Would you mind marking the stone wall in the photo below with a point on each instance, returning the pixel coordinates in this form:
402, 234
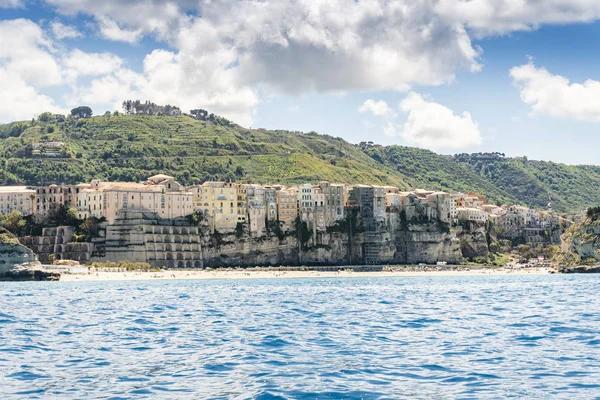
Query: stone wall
144, 237
57, 243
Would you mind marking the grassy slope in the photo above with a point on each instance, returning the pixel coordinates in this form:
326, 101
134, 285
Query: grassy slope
571, 187
134, 147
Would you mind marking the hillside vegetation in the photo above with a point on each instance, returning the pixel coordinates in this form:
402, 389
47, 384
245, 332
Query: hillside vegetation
132, 147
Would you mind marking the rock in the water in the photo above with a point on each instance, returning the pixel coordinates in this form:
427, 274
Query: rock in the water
580, 269
29, 274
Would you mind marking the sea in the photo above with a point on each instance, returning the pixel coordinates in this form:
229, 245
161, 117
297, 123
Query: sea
438, 337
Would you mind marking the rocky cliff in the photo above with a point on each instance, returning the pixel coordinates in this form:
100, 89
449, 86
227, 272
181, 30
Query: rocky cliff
415, 242
145, 237
13, 254
580, 244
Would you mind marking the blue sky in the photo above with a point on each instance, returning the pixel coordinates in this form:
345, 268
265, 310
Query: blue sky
449, 75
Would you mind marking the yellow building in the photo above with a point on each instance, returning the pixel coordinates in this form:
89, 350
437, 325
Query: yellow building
221, 204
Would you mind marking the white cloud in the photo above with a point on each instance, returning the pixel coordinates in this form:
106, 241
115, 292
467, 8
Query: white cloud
79, 63
554, 95
26, 51
299, 46
377, 108
129, 20
492, 17
61, 31
435, 126
10, 3
111, 30
165, 81
223, 54
381, 109
27, 64
19, 100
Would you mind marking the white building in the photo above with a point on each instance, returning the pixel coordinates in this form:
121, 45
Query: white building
17, 198
471, 214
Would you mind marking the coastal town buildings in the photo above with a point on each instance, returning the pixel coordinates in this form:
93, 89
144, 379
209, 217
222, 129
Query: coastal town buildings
230, 207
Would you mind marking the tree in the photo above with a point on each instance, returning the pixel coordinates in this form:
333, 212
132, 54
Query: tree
82, 112
12, 222
551, 251
45, 117
199, 114
66, 215
524, 250
89, 228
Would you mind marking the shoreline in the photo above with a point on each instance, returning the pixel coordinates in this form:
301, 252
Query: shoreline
250, 274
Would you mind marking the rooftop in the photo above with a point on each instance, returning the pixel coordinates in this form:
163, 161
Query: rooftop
16, 189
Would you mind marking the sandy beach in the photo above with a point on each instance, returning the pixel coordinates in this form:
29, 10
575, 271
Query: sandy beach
250, 274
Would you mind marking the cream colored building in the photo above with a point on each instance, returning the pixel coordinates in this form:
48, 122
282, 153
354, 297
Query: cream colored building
471, 214
196, 191
334, 201
17, 198
50, 198
306, 204
257, 211
160, 194
442, 203
271, 202
287, 207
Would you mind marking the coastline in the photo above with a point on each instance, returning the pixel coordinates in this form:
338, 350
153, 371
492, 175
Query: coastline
250, 274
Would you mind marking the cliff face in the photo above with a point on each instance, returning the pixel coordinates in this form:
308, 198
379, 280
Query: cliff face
580, 244
144, 237
422, 242
13, 254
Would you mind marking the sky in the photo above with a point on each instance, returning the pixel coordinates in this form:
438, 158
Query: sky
518, 77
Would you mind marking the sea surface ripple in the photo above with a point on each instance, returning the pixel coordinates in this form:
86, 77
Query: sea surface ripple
353, 338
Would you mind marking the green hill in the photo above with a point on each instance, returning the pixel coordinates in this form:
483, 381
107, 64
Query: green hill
534, 183
133, 147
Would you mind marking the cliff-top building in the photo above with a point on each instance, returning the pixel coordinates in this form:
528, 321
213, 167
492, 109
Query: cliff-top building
17, 198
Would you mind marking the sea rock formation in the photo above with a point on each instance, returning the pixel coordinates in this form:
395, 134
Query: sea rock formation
14, 255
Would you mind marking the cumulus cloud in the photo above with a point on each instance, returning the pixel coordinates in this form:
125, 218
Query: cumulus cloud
435, 126
27, 64
554, 95
19, 100
10, 3
61, 31
493, 17
223, 54
79, 63
128, 20
27, 52
381, 109
31, 62
165, 81
110, 29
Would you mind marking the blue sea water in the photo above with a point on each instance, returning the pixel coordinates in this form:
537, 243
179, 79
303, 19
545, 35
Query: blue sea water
348, 338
